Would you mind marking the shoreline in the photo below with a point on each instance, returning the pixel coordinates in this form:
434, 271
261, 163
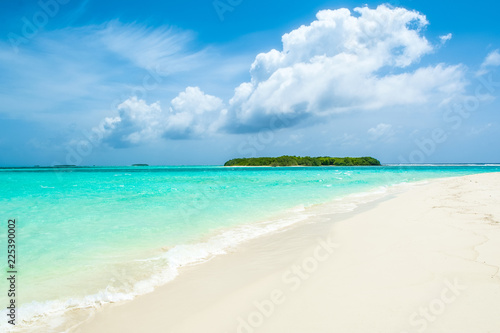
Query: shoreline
70, 312
401, 245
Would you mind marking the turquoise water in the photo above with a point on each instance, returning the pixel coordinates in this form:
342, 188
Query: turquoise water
88, 236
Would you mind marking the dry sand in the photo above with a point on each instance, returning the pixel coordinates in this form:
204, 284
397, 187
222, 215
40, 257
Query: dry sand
426, 260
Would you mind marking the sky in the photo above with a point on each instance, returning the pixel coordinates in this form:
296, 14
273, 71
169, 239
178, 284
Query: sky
198, 82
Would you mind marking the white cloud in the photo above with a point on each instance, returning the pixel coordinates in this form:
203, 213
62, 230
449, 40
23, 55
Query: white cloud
337, 63
191, 114
195, 101
163, 48
137, 122
381, 131
445, 38
74, 74
491, 60
342, 61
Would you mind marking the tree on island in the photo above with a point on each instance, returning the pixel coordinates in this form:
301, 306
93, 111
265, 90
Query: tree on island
303, 161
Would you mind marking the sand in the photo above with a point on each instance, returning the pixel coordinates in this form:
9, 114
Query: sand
424, 260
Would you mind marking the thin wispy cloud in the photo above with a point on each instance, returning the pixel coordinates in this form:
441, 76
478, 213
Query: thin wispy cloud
164, 48
98, 63
384, 132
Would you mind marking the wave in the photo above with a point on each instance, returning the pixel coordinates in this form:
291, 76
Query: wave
47, 316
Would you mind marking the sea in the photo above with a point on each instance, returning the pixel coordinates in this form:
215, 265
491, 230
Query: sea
88, 236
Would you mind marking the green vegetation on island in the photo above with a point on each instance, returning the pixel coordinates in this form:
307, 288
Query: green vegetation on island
303, 161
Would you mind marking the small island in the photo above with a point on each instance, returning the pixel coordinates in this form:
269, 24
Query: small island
303, 161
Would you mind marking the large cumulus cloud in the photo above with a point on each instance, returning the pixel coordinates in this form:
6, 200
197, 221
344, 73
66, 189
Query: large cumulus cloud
367, 59
344, 61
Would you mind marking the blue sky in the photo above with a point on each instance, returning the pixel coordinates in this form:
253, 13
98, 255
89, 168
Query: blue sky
199, 82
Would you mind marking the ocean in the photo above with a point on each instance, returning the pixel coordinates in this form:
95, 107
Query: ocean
87, 236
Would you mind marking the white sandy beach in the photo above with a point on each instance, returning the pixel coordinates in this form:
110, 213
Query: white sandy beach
425, 260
